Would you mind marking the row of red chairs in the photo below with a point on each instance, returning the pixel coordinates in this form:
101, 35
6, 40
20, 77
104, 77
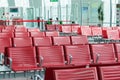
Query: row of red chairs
28, 34
83, 30
106, 32
17, 29
50, 56
98, 49
41, 41
23, 58
102, 31
58, 27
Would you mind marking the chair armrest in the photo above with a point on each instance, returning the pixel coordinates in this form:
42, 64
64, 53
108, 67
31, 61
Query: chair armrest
41, 61
97, 57
70, 59
10, 62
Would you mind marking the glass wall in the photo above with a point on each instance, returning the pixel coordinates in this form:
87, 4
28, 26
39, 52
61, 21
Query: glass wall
60, 9
3, 3
22, 3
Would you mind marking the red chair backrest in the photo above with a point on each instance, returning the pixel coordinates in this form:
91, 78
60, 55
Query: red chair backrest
109, 72
97, 31
79, 39
22, 42
7, 31
67, 29
85, 30
76, 29
6, 35
53, 33
22, 29
103, 53
61, 40
37, 34
78, 55
51, 56
51, 27
42, 41
76, 74
22, 58
22, 34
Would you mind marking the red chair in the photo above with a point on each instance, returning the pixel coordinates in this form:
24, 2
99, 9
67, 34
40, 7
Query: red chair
51, 27
96, 31
53, 33
76, 29
66, 29
78, 55
37, 34
103, 53
111, 34
51, 56
42, 41
85, 30
6, 35
58, 27
22, 42
22, 34
109, 73
61, 40
22, 59
76, 74
79, 40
